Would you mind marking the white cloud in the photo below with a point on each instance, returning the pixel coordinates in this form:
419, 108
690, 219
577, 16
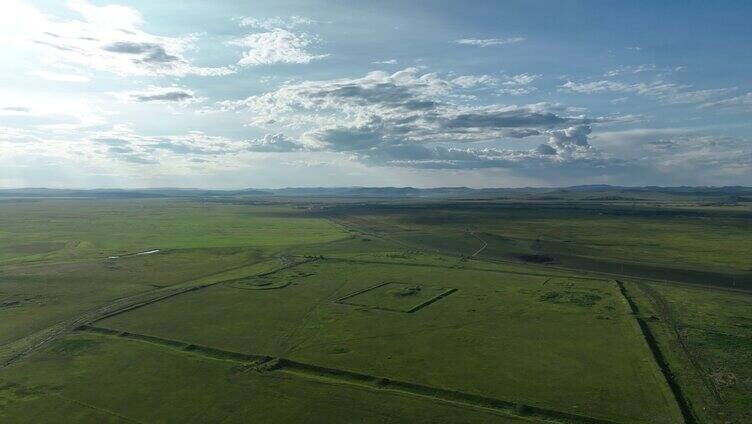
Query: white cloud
385, 62
743, 102
15, 135
603, 86
123, 144
634, 69
665, 91
514, 85
276, 143
105, 38
571, 141
520, 79
471, 81
487, 42
517, 91
276, 22
121, 150
684, 154
518, 85
404, 119
48, 112
696, 96
276, 46
61, 77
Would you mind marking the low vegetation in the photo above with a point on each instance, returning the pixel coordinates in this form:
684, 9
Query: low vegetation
292, 310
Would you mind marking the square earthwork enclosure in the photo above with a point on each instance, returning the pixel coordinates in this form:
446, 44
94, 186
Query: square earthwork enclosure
396, 297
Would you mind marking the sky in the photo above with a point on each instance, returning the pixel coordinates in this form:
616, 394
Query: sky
267, 94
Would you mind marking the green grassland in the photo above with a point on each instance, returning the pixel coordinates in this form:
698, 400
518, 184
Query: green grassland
560, 343
65, 229
96, 243
347, 311
708, 336
681, 244
91, 378
37, 295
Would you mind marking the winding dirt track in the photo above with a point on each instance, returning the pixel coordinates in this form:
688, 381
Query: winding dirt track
482, 248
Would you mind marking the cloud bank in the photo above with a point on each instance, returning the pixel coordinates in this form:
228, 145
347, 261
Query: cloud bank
411, 119
488, 42
104, 38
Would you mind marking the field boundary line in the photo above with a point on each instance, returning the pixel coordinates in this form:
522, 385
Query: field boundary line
264, 364
150, 301
199, 350
432, 300
98, 409
608, 276
427, 265
457, 254
199, 287
288, 338
658, 359
39, 339
664, 310
708, 330
361, 291
343, 300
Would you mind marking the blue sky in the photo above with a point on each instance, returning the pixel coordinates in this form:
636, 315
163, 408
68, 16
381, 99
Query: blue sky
238, 94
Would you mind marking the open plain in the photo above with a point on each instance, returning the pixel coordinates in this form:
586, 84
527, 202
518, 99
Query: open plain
324, 310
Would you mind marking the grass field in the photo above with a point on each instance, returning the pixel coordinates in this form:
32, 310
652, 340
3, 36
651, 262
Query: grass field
309, 311
475, 340
98, 243
66, 229
680, 244
708, 335
144, 382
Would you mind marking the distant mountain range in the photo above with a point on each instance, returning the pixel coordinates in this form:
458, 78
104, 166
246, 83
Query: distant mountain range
125, 193
582, 192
